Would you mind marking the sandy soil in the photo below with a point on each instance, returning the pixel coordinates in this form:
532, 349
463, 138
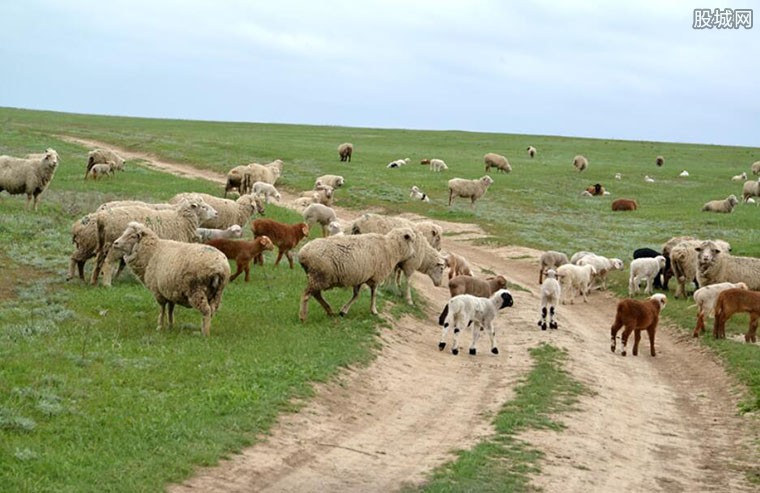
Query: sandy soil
667, 423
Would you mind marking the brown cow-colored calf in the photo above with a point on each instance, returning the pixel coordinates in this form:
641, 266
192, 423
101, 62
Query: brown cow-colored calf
636, 316
737, 300
242, 252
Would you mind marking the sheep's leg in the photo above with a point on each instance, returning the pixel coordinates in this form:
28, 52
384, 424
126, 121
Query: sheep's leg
171, 314
122, 264
237, 272
631, 286
450, 195
719, 326
552, 320
476, 328
700, 324
636, 340
408, 294
108, 267
626, 332
651, 333
455, 343
279, 256
542, 320
613, 332
750, 336
584, 292
199, 301
540, 276
356, 291
492, 336
98, 266
648, 289
290, 258
444, 333
73, 263
161, 315
247, 269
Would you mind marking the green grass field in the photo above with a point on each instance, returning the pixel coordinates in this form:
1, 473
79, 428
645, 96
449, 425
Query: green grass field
91, 394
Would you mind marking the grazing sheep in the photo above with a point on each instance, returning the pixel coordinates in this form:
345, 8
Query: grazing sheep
464, 310
580, 163
180, 224
741, 177
750, 189
755, 168
242, 178
426, 259
398, 163
185, 274
345, 151
596, 190
438, 165
285, 236
476, 287
493, 160
648, 179
334, 229
602, 265
637, 316
579, 255
551, 292
618, 176
624, 205
101, 169
652, 253
229, 212
335, 181
417, 194
457, 265
206, 234
29, 175
431, 231
659, 161
550, 260
266, 190
724, 206
102, 156
705, 299
575, 278
644, 269
715, 264
531, 151
350, 261
736, 300
242, 251
469, 189
683, 174
319, 214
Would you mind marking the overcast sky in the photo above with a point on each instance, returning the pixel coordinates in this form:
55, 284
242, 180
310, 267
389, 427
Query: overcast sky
624, 70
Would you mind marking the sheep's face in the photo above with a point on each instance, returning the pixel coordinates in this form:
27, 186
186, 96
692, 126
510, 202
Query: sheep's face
501, 282
550, 274
436, 273
732, 200
265, 242
506, 298
235, 231
660, 298
661, 261
707, 253
204, 211
487, 180
51, 158
129, 239
617, 264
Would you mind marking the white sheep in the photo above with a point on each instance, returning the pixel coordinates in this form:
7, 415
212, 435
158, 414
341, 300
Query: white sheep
431, 231
750, 189
335, 181
724, 206
551, 293
755, 168
29, 175
683, 174
398, 163
469, 189
579, 255
228, 212
266, 190
345, 151
705, 298
531, 151
243, 177
438, 165
715, 264
683, 260
648, 179
335, 229
417, 194
493, 160
618, 176
319, 214
101, 169
351, 261
580, 163
185, 274
602, 266
127, 203
101, 156
740, 177
750, 200
464, 310
550, 260
644, 269
322, 196
575, 279
205, 234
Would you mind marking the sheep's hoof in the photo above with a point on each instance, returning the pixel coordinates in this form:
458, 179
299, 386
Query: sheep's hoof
543, 326
455, 351
623, 353
456, 330
495, 350
473, 351
441, 345
553, 325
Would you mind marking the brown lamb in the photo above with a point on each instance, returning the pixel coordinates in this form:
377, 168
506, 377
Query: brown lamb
736, 300
242, 252
476, 287
285, 236
624, 205
637, 316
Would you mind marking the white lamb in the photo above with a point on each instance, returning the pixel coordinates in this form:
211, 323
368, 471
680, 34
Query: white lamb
266, 190
438, 165
644, 269
683, 174
648, 179
464, 310
740, 177
603, 266
574, 279
398, 163
417, 194
551, 292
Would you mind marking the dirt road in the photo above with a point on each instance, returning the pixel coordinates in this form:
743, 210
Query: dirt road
667, 423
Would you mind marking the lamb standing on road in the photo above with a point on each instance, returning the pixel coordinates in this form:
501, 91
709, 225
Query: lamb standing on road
457, 265
551, 292
550, 260
637, 316
29, 175
464, 310
476, 287
266, 190
574, 279
644, 269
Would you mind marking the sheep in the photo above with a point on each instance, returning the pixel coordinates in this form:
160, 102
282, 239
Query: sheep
476, 287
185, 274
345, 151
266, 190
550, 260
755, 168
242, 251
373, 223
551, 292
457, 265
464, 310
648, 179
426, 259
659, 161
101, 156
319, 214
128, 203
229, 212
575, 278
350, 261
596, 190
101, 169
741, 177
715, 264
580, 163
723, 206
667, 247
732, 301
618, 176
29, 175
334, 229
750, 201
644, 269
493, 160
242, 178
472, 189
285, 236
705, 299
180, 224
602, 265
652, 253
335, 181
750, 189
637, 316
579, 255
398, 163
322, 196
684, 260
683, 174
206, 234
438, 165
531, 151
431, 231
417, 194
624, 205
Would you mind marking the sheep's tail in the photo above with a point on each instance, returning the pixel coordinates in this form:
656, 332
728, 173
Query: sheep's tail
443, 315
215, 284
